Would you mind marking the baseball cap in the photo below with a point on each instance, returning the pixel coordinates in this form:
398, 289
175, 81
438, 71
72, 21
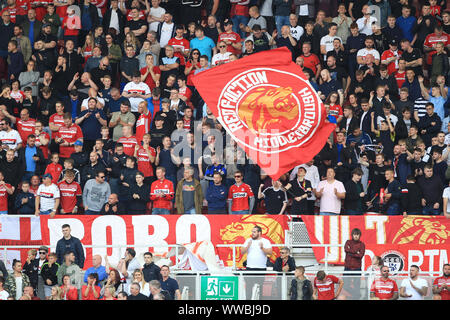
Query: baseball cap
47, 175
78, 143
227, 21
393, 42
46, 25
43, 248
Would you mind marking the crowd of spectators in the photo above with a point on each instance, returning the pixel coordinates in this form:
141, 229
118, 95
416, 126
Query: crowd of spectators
97, 98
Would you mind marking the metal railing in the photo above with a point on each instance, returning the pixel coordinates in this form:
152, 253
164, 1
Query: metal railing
178, 246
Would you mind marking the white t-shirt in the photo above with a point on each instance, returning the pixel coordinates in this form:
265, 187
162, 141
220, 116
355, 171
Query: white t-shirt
48, 196
85, 103
114, 22
256, 258
366, 28
220, 57
11, 138
158, 13
166, 34
329, 202
327, 41
19, 289
364, 52
297, 32
141, 88
418, 283
4, 295
446, 194
393, 118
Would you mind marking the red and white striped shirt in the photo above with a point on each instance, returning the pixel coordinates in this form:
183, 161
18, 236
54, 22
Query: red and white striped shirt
142, 126
128, 144
25, 127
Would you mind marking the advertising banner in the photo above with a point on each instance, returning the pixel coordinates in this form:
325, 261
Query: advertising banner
400, 241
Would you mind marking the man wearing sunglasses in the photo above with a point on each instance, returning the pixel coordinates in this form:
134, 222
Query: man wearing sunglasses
96, 193
223, 56
42, 258
240, 196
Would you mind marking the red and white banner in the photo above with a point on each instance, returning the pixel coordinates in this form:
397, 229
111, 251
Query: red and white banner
146, 233
266, 104
400, 241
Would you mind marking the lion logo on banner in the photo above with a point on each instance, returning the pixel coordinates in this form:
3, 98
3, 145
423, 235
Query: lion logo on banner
421, 230
238, 232
267, 108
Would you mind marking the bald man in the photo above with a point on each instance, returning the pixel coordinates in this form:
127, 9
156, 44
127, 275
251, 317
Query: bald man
96, 268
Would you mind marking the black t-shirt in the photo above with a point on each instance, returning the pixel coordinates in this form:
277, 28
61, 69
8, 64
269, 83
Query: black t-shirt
357, 8
136, 25
338, 74
411, 56
274, 200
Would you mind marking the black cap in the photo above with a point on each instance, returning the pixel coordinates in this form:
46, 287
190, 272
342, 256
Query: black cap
393, 42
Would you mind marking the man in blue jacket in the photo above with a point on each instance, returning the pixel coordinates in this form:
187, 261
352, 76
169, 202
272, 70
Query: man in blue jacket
216, 196
70, 243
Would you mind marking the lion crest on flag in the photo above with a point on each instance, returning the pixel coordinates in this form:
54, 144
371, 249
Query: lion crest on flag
266, 109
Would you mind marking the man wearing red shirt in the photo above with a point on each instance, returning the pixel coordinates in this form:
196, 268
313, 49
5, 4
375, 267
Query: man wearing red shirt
70, 193
180, 44
150, 74
184, 92
161, 193
5, 191
145, 156
384, 288
40, 6
400, 75
67, 135
56, 120
390, 57
25, 125
143, 122
240, 196
128, 141
430, 42
14, 10
310, 60
231, 38
441, 285
324, 286
91, 291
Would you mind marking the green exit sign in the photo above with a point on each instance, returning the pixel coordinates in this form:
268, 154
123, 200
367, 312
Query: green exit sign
219, 288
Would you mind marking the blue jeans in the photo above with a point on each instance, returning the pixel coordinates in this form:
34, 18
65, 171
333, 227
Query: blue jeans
240, 212
238, 20
281, 21
190, 211
46, 212
92, 212
160, 211
4, 212
428, 210
328, 214
393, 209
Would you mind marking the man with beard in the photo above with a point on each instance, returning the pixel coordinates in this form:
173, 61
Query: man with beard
441, 285
257, 249
414, 288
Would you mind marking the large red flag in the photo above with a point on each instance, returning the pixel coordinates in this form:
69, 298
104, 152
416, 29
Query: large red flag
266, 104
